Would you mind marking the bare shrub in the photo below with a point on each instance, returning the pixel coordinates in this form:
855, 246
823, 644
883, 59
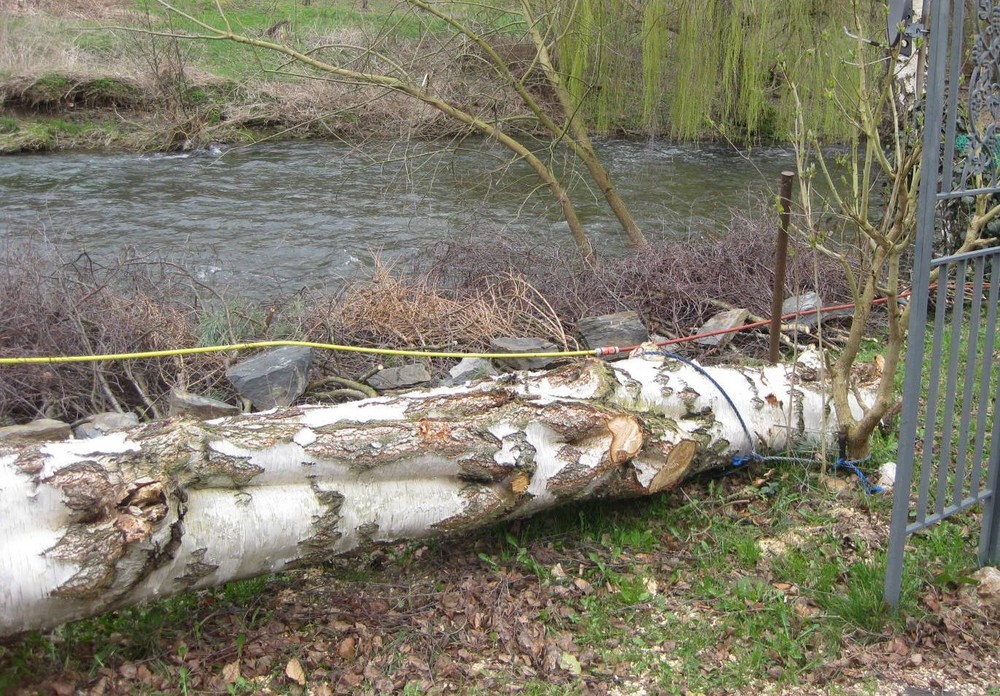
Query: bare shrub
53, 306
467, 293
674, 285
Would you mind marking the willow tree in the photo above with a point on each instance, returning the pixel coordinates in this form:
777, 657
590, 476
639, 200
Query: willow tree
688, 66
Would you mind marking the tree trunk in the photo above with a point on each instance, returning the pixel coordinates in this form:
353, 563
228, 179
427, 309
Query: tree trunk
93, 525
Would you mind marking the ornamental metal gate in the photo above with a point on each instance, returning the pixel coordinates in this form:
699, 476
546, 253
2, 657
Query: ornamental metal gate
949, 442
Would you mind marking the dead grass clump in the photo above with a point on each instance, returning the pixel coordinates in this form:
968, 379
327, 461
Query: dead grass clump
57, 307
394, 309
56, 91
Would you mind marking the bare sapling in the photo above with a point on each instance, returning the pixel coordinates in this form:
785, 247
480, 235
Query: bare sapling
870, 193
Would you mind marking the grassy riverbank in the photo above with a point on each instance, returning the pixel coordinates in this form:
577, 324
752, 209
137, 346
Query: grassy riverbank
90, 75
112, 74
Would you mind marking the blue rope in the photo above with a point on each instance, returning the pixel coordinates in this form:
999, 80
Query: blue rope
852, 466
741, 460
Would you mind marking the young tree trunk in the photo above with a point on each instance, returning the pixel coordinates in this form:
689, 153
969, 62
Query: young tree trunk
93, 525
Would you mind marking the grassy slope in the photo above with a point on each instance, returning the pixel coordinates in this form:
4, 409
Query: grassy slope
68, 78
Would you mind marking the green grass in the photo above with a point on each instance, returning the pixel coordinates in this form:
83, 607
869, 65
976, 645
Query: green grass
307, 27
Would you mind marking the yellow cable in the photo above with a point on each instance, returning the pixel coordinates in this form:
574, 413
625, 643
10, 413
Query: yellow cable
269, 344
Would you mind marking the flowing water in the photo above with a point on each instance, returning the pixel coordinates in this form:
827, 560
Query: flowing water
310, 214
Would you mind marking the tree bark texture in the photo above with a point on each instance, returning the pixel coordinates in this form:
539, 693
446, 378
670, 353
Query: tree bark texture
92, 525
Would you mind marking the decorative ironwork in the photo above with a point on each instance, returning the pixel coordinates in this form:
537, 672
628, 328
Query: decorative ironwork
981, 154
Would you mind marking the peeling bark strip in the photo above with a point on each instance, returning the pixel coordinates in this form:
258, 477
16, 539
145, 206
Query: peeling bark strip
93, 525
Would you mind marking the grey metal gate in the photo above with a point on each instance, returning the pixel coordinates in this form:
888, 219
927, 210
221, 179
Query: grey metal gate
949, 443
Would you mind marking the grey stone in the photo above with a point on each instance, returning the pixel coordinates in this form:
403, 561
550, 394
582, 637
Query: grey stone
523, 345
469, 370
183, 403
729, 319
400, 377
104, 423
273, 379
40, 430
622, 329
987, 592
806, 302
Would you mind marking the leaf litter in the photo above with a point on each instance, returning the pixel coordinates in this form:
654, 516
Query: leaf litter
544, 604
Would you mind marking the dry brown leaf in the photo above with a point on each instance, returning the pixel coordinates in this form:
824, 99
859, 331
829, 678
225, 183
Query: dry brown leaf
63, 689
231, 672
348, 648
294, 671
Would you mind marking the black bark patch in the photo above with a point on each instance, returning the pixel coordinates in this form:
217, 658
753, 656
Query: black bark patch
195, 570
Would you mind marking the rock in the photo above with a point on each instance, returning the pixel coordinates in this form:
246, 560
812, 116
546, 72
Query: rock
887, 475
524, 345
36, 431
803, 303
988, 589
469, 370
622, 329
104, 423
400, 377
273, 379
729, 319
183, 403
806, 302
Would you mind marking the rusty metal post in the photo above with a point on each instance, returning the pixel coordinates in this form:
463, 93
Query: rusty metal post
780, 257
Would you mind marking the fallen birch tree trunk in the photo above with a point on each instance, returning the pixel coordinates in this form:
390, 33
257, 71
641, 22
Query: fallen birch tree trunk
92, 525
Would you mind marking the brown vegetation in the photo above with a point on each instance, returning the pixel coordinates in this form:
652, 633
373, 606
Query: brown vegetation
674, 285
467, 294
54, 306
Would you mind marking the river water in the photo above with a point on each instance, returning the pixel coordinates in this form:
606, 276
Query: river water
311, 213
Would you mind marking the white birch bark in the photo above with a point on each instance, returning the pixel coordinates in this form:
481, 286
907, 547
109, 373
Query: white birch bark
92, 525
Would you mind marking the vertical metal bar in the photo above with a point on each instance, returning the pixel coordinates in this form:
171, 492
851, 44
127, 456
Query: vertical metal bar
948, 424
933, 387
986, 379
780, 258
989, 538
917, 326
953, 79
969, 381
